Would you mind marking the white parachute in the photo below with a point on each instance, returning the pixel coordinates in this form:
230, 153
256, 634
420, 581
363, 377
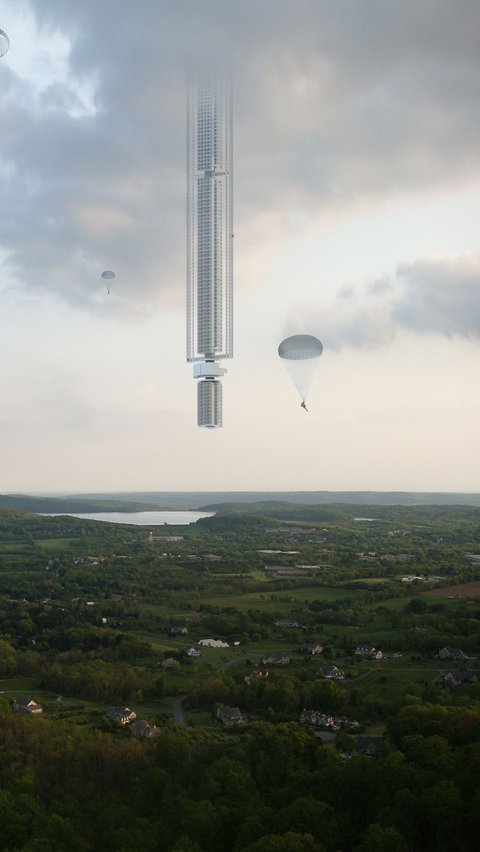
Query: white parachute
4, 43
108, 276
300, 354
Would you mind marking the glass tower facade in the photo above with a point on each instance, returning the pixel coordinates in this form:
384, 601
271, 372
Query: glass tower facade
209, 221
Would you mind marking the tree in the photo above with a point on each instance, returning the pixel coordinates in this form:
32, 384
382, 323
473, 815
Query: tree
312, 816
377, 838
290, 842
8, 659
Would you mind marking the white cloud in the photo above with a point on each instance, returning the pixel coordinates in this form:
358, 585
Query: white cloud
427, 296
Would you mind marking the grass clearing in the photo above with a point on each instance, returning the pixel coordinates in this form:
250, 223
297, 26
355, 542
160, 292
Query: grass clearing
392, 685
17, 684
401, 602
278, 601
161, 643
164, 610
16, 547
462, 590
56, 543
199, 719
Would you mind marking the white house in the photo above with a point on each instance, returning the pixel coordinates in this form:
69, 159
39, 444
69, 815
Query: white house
122, 715
213, 643
194, 652
26, 705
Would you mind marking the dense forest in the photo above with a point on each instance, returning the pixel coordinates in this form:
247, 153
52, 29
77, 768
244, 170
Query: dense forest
302, 678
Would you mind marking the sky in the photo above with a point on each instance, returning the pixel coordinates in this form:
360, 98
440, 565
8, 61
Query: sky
357, 211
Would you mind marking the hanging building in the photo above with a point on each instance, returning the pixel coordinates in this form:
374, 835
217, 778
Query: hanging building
209, 241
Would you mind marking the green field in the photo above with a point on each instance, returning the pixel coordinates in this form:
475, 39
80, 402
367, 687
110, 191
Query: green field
165, 610
400, 603
16, 547
392, 685
279, 600
56, 543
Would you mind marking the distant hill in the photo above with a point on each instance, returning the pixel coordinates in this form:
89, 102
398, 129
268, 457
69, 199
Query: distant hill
67, 505
337, 513
168, 500
272, 503
271, 510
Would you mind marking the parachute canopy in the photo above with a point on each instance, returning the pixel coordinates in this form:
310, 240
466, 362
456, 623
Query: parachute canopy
108, 276
300, 354
4, 43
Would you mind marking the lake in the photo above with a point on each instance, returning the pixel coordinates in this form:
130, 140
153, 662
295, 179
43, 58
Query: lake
139, 519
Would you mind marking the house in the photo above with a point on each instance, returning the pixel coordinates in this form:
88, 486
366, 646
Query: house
276, 661
312, 649
455, 678
27, 705
285, 571
143, 731
230, 717
152, 537
366, 650
257, 674
194, 652
450, 653
315, 717
169, 664
414, 578
285, 622
325, 720
121, 715
178, 631
332, 673
213, 643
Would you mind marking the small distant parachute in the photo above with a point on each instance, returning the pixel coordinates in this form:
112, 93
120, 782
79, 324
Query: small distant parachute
108, 276
300, 354
4, 43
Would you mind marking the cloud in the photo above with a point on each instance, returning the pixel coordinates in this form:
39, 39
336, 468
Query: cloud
429, 296
334, 103
440, 296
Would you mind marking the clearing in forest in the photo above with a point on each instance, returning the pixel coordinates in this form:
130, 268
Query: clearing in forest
463, 590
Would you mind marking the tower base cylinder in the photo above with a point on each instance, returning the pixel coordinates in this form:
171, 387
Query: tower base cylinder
209, 404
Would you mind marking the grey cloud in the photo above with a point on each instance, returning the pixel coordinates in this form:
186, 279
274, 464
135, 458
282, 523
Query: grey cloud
441, 297
429, 296
380, 285
334, 101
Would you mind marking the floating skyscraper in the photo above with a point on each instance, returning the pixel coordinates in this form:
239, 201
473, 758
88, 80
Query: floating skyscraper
209, 240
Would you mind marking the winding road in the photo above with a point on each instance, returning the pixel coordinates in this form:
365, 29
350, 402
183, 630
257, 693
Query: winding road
178, 710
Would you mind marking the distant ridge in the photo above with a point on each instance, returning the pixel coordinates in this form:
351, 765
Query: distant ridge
66, 505
199, 499
137, 501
